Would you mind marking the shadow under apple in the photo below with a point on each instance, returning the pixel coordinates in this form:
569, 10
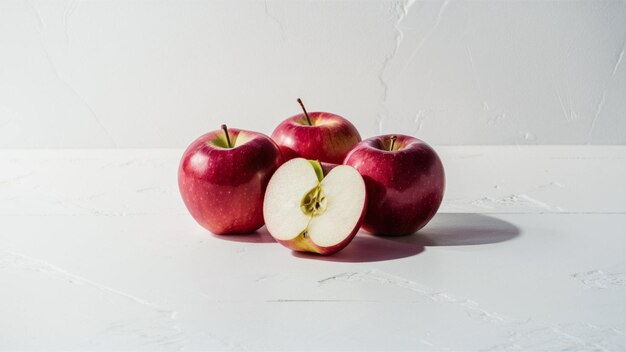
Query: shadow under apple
462, 230
259, 236
443, 230
367, 248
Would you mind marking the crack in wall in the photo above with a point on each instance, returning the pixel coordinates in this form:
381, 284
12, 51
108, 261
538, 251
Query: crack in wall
402, 10
69, 10
476, 78
619, 60
429, 33
402, 13
418, 121
275, 20
597, 115
66, 83
40, 21
567, 117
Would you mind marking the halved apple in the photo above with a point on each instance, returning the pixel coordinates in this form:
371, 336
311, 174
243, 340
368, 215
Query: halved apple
308, 211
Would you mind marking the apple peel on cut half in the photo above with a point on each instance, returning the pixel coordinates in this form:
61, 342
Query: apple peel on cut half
308, 211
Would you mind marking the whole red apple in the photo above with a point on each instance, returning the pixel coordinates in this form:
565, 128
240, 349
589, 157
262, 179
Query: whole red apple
405, 183
318, 136
222, 178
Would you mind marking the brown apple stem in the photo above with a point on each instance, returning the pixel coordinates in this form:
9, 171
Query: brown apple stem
308, 119
393, 141
227, 136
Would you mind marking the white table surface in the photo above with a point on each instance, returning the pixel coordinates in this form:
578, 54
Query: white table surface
528, 252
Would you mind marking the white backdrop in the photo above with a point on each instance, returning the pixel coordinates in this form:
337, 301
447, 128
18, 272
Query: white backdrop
157, 74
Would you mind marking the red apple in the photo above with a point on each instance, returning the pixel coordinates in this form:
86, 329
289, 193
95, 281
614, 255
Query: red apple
308, 210
222, 178
405, 183
316, 136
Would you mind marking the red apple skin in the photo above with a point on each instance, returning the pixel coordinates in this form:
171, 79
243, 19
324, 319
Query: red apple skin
328, 139
326, 167
223, 188
300, 244
404, 187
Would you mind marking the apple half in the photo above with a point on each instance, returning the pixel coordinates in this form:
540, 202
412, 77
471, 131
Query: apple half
308, 211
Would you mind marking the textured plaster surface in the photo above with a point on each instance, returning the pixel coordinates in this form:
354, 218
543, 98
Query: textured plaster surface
98, 253
113, 74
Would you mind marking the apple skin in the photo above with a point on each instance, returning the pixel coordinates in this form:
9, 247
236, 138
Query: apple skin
404, 187
326, 167
328, 139
223, 188
300, 244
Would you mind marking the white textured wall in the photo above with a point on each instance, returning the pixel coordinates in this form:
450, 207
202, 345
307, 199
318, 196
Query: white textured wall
158, 74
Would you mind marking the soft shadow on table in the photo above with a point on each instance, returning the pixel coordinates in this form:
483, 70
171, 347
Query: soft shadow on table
368, 248
259, 236
443, 230
462, 230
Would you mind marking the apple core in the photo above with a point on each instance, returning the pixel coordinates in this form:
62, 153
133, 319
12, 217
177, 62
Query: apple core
314, 202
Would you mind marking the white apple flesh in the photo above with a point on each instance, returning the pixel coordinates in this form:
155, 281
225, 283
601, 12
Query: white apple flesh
307, 211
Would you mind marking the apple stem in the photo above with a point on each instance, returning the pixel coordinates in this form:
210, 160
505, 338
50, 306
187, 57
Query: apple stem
393, 141
226, 134
308, 119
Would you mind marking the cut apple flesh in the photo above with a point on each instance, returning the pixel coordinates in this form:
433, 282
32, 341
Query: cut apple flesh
302, 205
